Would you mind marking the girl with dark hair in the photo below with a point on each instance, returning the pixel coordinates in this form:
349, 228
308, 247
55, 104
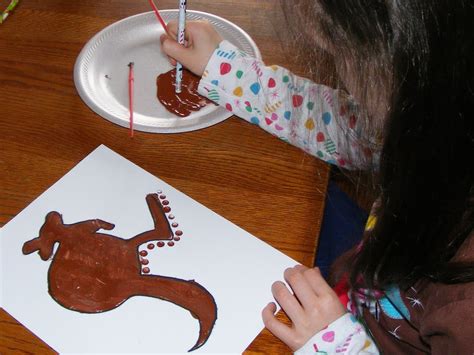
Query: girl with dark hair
404, 110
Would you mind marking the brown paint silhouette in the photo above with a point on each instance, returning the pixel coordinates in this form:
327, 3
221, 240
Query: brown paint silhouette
187, 101
93, 272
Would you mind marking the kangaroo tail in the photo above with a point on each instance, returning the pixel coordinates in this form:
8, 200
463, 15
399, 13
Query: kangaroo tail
187, 294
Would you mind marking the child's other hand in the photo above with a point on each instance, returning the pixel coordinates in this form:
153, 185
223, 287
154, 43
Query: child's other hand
201, 41
313, 306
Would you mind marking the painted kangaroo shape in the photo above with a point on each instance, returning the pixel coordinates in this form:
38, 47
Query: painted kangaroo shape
93, 272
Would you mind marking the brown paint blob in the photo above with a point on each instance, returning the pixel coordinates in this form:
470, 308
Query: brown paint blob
170, 244
94, 272
150, 246
143, 253
146, 270
187, 101
167, 209
174, 224
178, 232
160, 244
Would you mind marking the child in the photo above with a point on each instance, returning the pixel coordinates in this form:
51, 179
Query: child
408, 68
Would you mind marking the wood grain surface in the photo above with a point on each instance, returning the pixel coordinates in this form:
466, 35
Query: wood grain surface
267, 187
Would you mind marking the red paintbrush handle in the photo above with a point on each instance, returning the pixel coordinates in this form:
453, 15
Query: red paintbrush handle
131, 81
158, 16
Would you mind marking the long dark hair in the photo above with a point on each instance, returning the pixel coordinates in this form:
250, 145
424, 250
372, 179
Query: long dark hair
422, 50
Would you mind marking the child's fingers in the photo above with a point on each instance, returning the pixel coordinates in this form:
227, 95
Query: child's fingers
300, 268
287, 301
176, 51
278, 329
163, 38
317, 282
301, 287
172, 27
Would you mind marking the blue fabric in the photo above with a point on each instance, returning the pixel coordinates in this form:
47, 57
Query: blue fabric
342, 227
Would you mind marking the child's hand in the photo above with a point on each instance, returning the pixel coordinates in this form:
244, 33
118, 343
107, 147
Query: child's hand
201, 41
313, 306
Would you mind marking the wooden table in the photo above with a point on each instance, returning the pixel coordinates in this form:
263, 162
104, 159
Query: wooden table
269, 188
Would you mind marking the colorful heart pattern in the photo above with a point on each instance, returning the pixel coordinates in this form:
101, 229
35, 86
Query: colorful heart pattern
309, 124
255, 88
326, 118
238, 91
225, 68
297, 100
280, 102
248, 107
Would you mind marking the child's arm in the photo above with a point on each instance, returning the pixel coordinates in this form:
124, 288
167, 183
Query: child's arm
320, 323
322, 121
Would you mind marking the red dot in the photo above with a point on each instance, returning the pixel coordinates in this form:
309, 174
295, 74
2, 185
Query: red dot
144, 261
178, 232
146, 270
150, 246
160, 244
170, 244
174, 225
165, 202
167, 209
228, 107
143, 253
162, 197
177, 239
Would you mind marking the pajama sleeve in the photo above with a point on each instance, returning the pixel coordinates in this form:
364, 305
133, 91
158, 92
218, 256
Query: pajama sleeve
322, 121
343, 336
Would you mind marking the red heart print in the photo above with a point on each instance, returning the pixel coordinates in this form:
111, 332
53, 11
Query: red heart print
297, 100
225, 68
271, 83
269, 121
320, 137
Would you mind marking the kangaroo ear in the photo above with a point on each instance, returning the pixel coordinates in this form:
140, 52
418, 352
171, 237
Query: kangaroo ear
54, 218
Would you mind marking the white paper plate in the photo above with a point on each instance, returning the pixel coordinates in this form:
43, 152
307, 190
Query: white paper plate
101, 72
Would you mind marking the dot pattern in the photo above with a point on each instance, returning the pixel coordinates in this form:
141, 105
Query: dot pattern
150, 247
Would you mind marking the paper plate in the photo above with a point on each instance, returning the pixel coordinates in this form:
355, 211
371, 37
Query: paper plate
101, 72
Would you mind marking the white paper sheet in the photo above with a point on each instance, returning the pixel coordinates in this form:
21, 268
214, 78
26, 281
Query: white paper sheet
234, 266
